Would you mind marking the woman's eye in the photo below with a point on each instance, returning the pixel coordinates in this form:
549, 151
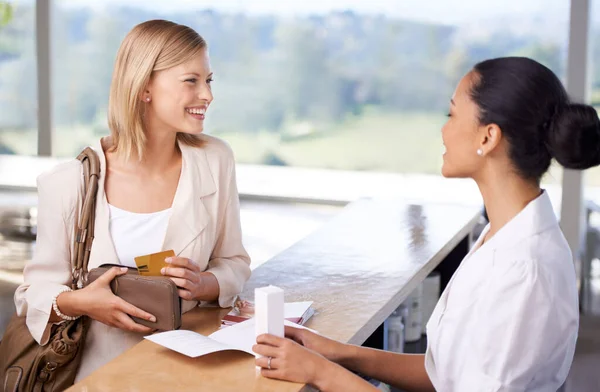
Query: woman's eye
191, 80
209, 80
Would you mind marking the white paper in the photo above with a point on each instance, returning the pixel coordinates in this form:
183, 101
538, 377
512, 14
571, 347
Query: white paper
290, 324
240, 337
290, 309
188, 343
296, 309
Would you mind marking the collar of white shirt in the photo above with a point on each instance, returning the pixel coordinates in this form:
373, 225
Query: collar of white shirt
535, 218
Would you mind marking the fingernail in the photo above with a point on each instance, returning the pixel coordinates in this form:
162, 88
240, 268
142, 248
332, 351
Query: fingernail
168, 260
163, 270
153, 319
123, 269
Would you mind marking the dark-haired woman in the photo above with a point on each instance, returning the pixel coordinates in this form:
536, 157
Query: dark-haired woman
508, 319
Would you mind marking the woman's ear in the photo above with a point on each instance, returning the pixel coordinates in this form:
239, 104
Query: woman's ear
146, 96
491, 136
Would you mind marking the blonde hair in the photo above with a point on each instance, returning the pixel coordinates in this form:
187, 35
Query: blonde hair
151, 46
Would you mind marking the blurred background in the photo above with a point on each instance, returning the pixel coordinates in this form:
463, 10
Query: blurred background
322, 101
297, 83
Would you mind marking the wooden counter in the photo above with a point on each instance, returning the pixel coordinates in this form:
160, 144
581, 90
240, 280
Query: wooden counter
357, 269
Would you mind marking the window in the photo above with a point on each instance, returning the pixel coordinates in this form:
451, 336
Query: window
349, 84
18, 78
592, 176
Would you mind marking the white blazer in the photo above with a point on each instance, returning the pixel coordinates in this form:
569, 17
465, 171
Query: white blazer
204, 226
508, 320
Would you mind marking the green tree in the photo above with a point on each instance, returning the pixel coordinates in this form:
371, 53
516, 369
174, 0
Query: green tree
18, 86
6, 13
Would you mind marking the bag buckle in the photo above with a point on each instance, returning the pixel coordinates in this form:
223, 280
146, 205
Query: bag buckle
47, 371
76, 275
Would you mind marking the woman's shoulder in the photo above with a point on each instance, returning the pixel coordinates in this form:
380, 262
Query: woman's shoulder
543, 259
217, 151
61, 175
546, 249
216, 146
59, 187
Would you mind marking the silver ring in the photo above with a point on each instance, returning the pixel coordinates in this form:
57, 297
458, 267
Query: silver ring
269, 363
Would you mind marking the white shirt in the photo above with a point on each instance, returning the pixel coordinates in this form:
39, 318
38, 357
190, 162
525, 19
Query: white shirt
136, 234
509, 317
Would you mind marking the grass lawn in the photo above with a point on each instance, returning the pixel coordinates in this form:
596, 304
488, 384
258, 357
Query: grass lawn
408, 142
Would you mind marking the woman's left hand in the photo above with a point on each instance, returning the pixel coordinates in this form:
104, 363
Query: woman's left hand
289, 360
187, 276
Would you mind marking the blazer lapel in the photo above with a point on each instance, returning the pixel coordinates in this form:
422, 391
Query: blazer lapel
188, 218
189, 215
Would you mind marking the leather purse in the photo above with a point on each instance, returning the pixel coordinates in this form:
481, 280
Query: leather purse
156, 295
24, 364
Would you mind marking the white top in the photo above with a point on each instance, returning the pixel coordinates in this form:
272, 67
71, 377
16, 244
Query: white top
509, 317
136, 234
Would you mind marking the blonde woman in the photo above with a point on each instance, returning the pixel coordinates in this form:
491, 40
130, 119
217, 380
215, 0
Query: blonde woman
164, 185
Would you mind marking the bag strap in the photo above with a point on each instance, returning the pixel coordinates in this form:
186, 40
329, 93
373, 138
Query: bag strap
84, 231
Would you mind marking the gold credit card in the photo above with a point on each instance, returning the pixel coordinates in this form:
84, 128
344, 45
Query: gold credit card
150, 265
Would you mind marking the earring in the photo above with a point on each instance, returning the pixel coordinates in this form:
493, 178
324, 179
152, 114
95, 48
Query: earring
479, 152
147, 99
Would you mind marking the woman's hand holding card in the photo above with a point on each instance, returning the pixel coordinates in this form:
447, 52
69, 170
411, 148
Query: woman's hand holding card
187, 276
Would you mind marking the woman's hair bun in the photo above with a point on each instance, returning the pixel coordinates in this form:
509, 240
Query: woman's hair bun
574, 136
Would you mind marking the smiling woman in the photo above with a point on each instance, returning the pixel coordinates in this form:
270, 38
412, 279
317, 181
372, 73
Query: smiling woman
173, 79
163, 186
